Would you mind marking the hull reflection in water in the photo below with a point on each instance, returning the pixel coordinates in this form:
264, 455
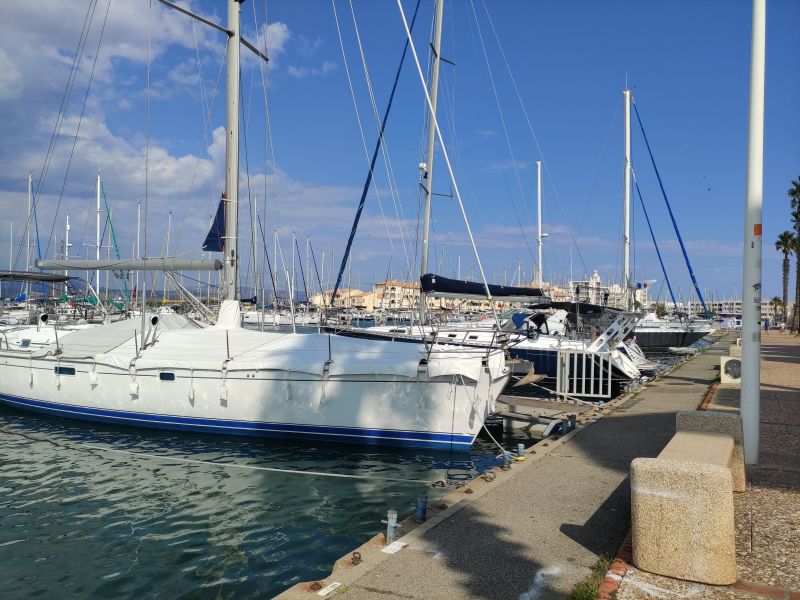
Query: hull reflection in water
80, 522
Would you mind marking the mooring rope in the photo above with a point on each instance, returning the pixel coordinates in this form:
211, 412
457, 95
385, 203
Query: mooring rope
165, 458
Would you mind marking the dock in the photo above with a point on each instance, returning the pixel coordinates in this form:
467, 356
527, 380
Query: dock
536, 530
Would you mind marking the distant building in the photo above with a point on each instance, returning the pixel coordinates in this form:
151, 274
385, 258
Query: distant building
346, 298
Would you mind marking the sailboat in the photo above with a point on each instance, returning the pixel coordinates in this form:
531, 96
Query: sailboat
532, 347
653, 331
167, 371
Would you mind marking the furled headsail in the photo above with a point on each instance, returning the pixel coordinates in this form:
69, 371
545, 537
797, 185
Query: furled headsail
215, 240
443, 287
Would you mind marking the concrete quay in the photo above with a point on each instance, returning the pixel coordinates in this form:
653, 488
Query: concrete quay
536, 530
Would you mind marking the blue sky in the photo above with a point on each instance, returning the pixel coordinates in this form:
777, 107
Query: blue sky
686, 62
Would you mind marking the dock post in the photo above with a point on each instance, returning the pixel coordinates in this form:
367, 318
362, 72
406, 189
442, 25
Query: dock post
520, 449
422, 508
391, 526
506, 459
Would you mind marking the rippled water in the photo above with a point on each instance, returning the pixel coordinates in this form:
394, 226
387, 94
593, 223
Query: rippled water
81, 521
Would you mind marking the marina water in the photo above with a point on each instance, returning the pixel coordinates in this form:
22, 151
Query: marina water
85, 517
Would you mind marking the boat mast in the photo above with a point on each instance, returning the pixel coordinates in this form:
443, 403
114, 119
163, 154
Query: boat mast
137, 254
626, 292
428, 170
540, 280
97, 234
230, 262
28, 235
66, 242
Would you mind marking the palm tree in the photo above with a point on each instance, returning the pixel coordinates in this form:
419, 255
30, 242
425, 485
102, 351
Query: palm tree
785, 245
795, 324
794, 202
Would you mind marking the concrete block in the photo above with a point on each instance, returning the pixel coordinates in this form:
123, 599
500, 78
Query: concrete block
682, 520
714, 421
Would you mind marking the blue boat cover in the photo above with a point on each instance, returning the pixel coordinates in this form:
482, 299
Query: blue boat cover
438, 285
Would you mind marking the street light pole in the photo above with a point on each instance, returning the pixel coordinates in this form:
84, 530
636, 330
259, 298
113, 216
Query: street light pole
751, 280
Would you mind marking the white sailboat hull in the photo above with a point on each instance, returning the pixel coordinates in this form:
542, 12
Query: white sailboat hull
275, 385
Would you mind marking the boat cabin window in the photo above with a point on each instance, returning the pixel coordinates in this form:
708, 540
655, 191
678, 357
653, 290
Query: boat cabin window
451, 335
166, 376
26, 343
64, 370
473, 337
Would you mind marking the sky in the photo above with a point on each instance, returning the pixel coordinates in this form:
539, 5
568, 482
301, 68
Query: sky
525, 81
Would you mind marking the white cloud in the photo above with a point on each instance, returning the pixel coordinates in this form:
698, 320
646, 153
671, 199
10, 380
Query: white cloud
10, 79
508, 165
302, 72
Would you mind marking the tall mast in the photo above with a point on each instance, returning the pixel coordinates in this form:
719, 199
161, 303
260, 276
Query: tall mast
540, 280
626, 292
28, 234
169, 234
138, 252
97, 235
230, 266
428, 173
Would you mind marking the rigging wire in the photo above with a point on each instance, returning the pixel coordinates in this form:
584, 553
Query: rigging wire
384, 146
78, 128
514, 163
269, 148
87, 23
533, 133
447, 162
379, 144
671, 215
655, 243
358, 120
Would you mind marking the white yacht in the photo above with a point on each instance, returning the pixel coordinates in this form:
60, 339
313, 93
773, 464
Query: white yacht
167, 371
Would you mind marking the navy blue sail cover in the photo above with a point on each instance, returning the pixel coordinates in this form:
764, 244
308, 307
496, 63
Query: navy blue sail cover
437, 285
214, 240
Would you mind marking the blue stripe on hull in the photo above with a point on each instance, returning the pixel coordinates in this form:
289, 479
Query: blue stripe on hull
351, 435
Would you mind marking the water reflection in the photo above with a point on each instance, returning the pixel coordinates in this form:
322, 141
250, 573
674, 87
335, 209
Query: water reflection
81, 521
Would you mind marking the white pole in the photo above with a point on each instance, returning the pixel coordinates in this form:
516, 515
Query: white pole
169, 233
294, 260
428, 173
626, 279
540, 279
28, 235
66, 242
97, 235
309, 285
137, 251
751, 280
231, 263
277, 278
